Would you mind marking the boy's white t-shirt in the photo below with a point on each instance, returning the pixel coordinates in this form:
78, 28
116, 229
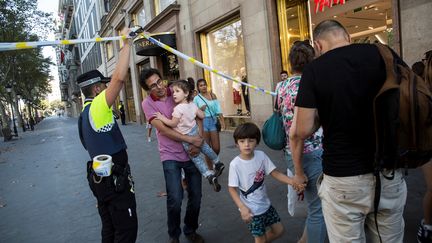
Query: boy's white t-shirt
187, 114
243, 173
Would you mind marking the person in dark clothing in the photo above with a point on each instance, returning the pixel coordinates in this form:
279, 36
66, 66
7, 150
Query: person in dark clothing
122, 113
336, 91
245, 90
100, 135
31, 123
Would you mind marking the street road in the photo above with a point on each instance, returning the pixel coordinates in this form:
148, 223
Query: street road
44, 195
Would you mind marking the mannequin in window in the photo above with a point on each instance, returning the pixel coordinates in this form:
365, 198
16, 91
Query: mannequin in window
236, 92
245, 90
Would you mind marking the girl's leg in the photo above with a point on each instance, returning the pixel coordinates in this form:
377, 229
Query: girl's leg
199, 162
207, 139
215, 144
208, 151
275, 231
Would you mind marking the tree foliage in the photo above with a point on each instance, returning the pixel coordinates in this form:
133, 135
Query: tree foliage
56, 105
27, 71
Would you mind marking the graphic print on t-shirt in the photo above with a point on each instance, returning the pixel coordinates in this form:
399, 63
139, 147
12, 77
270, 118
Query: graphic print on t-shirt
258, 181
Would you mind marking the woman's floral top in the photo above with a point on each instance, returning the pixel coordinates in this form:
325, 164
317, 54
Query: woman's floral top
286, 96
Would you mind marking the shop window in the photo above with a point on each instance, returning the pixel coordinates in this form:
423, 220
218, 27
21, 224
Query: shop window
170, 66
223, 49
160, 5
139, 17
109, 50
293, 25
368, 23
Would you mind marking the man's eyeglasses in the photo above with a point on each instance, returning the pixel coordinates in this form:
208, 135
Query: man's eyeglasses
159, 83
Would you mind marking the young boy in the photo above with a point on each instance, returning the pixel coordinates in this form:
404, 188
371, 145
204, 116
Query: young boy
246, 173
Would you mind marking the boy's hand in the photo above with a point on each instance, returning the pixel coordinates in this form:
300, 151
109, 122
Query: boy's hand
299, 187
246, 215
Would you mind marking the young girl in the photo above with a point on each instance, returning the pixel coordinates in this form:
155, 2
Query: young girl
246, 185
183, 121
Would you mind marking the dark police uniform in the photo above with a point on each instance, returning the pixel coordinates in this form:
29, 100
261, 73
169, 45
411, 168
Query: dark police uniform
115, 195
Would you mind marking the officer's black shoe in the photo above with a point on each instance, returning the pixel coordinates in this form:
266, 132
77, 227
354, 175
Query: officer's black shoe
173, 240
195, 238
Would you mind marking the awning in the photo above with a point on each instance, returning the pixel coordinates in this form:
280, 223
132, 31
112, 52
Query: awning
144, 47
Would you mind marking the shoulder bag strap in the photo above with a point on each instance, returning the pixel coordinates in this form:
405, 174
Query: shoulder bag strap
211, 113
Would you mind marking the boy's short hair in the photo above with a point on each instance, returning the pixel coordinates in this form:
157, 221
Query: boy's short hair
247, 130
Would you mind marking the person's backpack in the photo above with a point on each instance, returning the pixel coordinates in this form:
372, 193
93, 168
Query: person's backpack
403, 116
403, 121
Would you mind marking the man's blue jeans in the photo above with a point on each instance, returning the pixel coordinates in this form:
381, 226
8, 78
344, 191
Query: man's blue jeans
312, 166
174, 189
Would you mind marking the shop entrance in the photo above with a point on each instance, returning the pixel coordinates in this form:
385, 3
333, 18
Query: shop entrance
366, 21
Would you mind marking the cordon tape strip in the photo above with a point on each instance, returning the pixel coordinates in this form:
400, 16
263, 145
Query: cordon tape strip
28, 45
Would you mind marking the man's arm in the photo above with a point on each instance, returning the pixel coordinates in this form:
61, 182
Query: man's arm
244, 210
120, 73
305, 123
176, 136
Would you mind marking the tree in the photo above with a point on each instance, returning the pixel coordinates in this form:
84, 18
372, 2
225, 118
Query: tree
26, 70
56, 105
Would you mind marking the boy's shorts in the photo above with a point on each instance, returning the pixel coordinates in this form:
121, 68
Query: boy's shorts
261, 222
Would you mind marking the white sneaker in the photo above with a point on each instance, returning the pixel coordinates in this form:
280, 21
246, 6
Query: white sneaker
149, 139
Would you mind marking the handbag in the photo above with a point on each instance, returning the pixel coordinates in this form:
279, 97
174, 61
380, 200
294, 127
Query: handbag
273, 131
217, 124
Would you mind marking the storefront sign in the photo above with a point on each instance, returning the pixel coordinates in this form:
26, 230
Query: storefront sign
319, 4
145, 47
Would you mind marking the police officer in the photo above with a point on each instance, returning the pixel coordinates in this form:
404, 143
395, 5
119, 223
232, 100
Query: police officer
122, 113
100, 134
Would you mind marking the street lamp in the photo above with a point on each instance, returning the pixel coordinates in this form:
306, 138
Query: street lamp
9, 90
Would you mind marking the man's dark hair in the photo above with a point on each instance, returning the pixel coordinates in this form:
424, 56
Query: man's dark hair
327, 26
247, 130
301, 53
418, 68
145, 74
283, 71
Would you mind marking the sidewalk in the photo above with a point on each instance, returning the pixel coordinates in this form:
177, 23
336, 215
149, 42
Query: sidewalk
43, 187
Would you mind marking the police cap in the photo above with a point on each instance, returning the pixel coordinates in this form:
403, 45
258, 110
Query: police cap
91, 77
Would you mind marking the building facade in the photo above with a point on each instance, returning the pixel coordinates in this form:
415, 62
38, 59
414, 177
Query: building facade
246, 39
